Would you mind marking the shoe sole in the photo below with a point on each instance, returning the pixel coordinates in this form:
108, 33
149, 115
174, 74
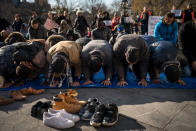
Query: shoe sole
110, 124
95, 124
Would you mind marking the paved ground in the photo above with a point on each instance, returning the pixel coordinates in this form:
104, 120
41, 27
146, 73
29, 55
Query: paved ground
140, 109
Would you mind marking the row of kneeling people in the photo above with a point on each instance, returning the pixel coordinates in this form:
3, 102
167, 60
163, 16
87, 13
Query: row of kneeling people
58, 59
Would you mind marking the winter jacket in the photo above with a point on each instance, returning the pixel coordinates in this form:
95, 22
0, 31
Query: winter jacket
115, 21
40, 33
106, 49
101, 34
164, 32
71, 50
160, 53
17, 25
187, 15
186, 40
144, 17
120, 48
81, 23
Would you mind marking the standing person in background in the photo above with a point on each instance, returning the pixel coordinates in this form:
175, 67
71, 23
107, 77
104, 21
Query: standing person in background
167, 29
115, 20
124, 23
144, 20
59, 18
99, 16
34, 16
107, 20
36, 31
80, 23
101, 32
17, 23
178, 15
63, 29
188, 14
67, 18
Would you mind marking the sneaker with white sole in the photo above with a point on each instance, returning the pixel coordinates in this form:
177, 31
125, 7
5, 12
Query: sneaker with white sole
111, 115
64, 114
97, 118
57, 121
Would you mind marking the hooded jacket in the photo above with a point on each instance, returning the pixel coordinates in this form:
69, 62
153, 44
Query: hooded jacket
119, 53
71, 50
106, 51
163, 32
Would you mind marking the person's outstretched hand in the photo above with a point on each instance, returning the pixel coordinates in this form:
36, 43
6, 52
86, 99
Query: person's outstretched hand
143, 82
122, 83
181, 82
106, 82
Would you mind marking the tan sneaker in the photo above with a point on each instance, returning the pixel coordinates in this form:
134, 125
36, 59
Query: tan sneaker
17, 95
5, 101
59, 104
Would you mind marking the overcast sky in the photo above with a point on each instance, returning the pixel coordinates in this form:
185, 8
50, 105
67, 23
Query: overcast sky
52, 2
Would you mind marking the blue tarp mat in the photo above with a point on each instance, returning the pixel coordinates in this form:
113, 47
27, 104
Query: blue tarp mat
98, 77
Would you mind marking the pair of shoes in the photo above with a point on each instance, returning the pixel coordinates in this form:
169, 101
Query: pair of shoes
39, 108
17, 95
105, 115
87, 112
5, 101
59, 103
59, 119
31, 91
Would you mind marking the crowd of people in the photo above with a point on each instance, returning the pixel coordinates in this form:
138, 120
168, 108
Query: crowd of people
75, 48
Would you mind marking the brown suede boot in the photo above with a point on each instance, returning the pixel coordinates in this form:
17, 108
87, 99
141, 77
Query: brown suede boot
17, 95
70, 99
71, 108
5, 101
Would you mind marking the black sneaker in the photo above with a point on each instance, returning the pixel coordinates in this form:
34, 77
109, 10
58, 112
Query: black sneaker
90, 100
111, 115
90, 109
39, 108
98, 116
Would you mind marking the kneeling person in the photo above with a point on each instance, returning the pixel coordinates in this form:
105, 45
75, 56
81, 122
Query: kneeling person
164, 58
63, 57
97, 54
133, 51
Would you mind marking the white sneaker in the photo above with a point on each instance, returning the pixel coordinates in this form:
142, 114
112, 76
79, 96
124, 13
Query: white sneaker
57, 121
65, 114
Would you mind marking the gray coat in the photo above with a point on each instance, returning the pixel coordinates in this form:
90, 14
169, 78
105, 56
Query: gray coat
40, 33
106, 49
119, 55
